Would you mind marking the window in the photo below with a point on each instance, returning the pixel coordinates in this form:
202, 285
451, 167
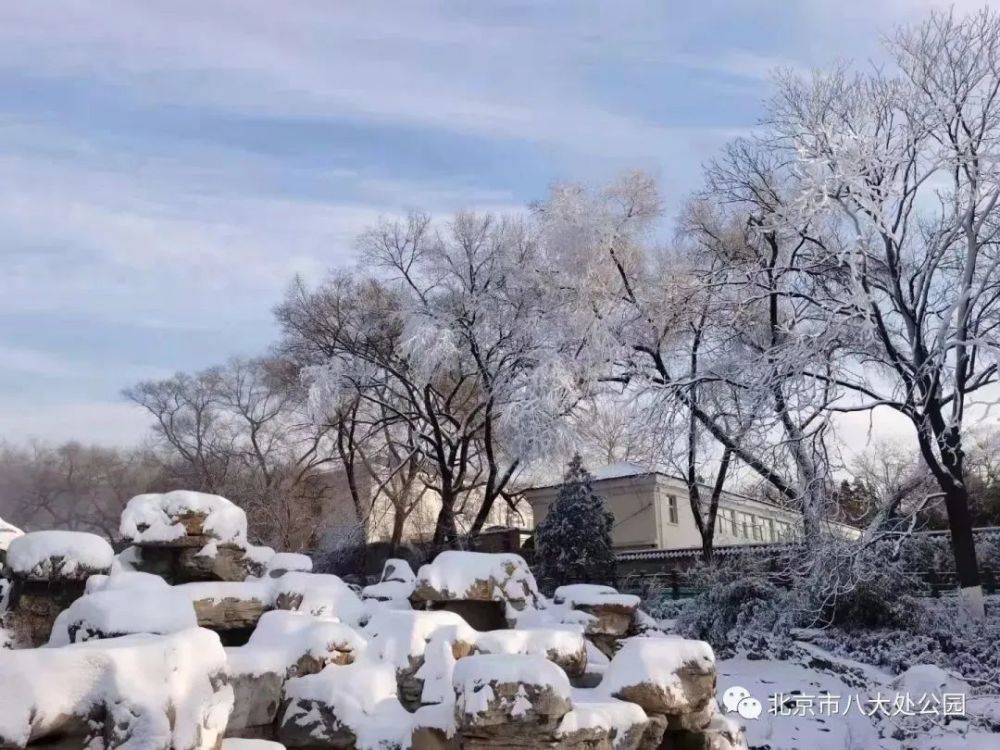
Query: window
672, 509
745, 524
730, 516
757, 528
771, 536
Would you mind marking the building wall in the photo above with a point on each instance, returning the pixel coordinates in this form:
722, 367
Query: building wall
653, 511
632, 501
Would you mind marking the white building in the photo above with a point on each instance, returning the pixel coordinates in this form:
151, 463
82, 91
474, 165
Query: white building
652, 511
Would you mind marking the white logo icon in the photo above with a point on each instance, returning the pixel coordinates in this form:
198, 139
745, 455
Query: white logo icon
738, 700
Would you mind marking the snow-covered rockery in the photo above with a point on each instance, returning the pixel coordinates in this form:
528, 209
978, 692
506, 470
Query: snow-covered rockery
464, 654
192, 536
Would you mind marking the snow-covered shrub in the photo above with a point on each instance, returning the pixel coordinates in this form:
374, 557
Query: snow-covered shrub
740, 611
940, 634
574, 538
860, 588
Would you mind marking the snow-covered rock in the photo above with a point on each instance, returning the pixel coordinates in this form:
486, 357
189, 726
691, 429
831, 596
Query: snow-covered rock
8, 533
565, 647
478, 576
288, 562
140, 691
422, 647
667, 676
318, 594
226, 605
183, 518
345, 707
395, 585
241, 744
115, 612
125, 580
284, 644
613, 613
623, 723
68, 555
511, 694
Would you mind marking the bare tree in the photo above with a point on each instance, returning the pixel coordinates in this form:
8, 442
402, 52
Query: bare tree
449, 333
72, 486
905, 169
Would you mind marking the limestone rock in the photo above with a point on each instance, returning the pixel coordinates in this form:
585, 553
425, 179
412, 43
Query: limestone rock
228, 606
613, 613
508, 695
477, 576
669, 676
720, 734
562, 646
341, 703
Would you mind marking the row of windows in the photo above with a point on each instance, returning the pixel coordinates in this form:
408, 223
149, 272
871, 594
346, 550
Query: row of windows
748, 526
740, 525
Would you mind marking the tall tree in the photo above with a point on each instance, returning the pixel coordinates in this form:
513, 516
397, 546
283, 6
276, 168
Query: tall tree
906, 171
574, 539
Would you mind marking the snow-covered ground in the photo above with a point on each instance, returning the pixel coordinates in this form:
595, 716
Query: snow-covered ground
820, 702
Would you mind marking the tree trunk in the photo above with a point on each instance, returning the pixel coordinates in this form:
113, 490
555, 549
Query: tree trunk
398, 522
963, 546
445, 530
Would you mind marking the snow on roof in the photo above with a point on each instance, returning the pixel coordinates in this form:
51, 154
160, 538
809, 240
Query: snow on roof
66, 554
616, 471
654, 661
8, 532
154, 517
165, 682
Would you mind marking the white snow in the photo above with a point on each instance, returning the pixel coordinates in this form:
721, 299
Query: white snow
592, 709
593, 595
455, 573
282, 637
162, 685
48, 554
153, 517
321, 594
362, 696
122, 580
8, 533
655, 661
124, 611
474, 672
395, 569
565, 642
240, 744
397, 635
261, 590
619, 470
287, 562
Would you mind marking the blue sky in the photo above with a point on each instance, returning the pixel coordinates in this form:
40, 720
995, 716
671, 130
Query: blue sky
169, 165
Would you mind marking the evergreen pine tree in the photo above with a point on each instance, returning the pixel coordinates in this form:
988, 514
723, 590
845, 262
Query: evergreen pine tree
574, 541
